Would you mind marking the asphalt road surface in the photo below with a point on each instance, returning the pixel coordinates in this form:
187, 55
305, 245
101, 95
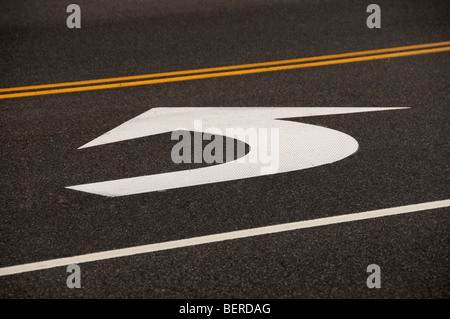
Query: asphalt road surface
402, 159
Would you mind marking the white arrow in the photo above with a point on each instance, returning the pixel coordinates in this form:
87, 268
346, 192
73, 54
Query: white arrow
301, 145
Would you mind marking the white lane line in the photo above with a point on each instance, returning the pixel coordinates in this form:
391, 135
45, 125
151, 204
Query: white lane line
221, 237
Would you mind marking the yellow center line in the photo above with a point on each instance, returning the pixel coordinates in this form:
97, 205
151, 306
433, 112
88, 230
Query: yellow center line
225, 68
241, 70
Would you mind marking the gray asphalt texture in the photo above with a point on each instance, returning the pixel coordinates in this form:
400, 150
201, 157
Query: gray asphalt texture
403, 156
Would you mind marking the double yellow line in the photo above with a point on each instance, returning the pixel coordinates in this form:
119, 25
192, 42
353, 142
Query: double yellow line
147, 79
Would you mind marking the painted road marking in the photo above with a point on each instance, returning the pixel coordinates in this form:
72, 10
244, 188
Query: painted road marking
299, 146
206, 73
225, 68
208, 239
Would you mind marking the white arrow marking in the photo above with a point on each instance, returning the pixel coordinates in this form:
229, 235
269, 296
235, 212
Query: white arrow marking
301, 145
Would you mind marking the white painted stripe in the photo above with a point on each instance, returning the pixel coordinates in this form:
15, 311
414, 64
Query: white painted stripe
221, 237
